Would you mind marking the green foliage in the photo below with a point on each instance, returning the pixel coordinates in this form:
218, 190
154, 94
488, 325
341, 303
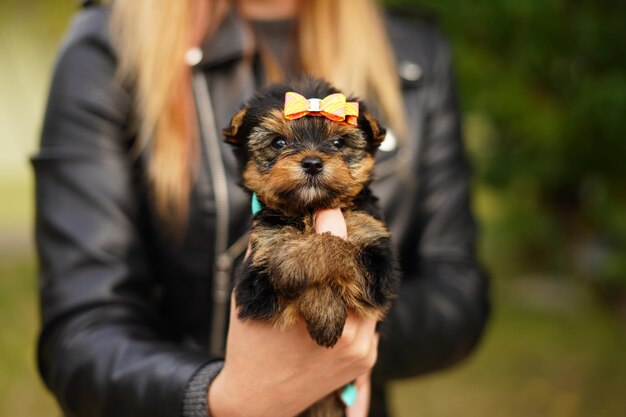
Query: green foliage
544, 93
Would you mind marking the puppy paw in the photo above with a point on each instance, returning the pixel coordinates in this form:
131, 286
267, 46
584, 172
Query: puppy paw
324, 314
311, 259
291, 281
364, 230
332, 258
381, 272
377, 261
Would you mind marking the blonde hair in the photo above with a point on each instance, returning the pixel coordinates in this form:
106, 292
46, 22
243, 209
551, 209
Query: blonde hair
346, 43
342, 41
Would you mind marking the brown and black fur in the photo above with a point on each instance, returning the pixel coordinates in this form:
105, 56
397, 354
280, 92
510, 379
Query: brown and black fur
292, 273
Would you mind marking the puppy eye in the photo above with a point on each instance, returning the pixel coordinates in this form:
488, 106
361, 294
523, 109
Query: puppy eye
338, 143
279, 143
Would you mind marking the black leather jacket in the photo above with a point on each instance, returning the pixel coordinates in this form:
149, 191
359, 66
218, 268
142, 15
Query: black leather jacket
128, 314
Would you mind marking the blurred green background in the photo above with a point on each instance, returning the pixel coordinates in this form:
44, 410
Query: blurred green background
543, 86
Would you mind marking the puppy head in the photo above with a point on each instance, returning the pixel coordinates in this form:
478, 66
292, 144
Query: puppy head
296, 166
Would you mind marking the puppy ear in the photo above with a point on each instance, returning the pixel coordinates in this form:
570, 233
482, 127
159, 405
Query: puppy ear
374, 131
231, 133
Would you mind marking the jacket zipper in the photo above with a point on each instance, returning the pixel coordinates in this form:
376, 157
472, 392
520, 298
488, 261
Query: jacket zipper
223, 258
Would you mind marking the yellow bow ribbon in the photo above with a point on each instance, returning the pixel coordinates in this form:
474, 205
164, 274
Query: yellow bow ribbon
334, 107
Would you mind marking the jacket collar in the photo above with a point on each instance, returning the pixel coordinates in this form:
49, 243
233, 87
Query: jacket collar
231, 41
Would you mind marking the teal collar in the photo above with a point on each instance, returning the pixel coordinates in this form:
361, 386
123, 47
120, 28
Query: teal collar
255, 204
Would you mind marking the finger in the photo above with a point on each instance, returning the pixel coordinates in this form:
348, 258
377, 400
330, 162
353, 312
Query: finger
331, 220
234, 311
363, 379
356, 330
248, 251
360, 408
366, 328
373, 354
233, 305
350, 329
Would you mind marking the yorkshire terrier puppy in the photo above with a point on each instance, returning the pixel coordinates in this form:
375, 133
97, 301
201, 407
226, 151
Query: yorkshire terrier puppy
299, 155
305, 147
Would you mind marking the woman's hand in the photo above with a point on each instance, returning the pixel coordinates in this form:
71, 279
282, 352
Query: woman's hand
282, 372
269, 372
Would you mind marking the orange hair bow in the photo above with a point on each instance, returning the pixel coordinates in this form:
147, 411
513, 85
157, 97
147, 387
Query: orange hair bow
334, 107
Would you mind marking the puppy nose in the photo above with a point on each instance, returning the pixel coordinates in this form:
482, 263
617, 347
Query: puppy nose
312, 165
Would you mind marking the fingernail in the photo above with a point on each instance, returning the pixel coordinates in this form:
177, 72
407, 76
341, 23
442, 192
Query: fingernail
348, 394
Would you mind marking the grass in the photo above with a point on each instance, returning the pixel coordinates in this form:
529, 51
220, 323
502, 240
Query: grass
563, 359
